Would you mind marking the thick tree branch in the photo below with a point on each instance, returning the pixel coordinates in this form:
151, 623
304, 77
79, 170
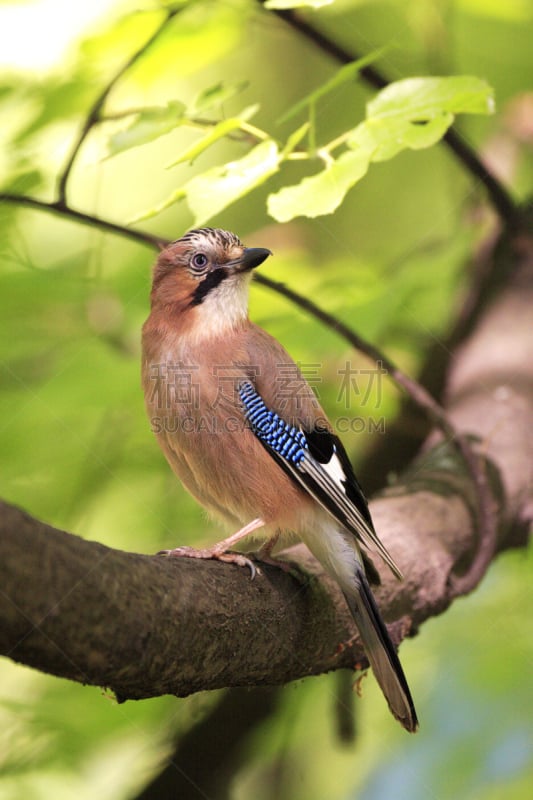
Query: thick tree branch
498, 194
419, 395
207, 758
147, 625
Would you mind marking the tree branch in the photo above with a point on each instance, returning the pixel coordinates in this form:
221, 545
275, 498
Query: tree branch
146, 625
207, 758
500, 198
94, 112
415, 390
435, 413
419, 395
142, 237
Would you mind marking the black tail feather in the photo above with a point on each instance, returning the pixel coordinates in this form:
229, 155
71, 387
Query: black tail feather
381, 654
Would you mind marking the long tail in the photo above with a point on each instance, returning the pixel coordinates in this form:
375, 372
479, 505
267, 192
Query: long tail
381, 653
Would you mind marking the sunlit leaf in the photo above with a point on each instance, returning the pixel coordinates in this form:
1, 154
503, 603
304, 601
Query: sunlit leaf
346, 73
512, 10
199, 36
175, 197
295, 138
23, 182
416, 113
216, 95
423, 98
388, 137
148, 125
174, 4
212, 191
321, 193
64, 100
217, 188
280, 4
78, 452
105, 49
220, 130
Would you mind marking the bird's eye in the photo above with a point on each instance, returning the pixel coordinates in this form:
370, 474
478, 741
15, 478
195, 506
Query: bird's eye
199, 261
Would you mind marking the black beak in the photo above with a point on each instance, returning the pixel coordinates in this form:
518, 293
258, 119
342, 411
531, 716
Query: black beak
252, 257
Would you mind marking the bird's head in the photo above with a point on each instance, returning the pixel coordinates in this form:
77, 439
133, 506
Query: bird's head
204, 278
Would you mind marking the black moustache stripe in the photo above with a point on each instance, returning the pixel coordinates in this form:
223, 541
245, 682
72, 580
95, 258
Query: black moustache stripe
210, 282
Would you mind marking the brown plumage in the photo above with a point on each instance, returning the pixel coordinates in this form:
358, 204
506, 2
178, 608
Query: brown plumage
199, 349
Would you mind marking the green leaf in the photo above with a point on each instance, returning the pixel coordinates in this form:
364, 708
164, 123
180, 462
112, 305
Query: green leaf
195, 39
388, 137
295, 138
175, 197
212, 191
321, 193
423, 98
23, 181
220, 130
416, 113
280, 4
149, 124
413, 113
215, 95
346, 73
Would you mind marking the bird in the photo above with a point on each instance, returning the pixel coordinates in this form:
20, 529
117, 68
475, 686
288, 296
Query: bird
244, 432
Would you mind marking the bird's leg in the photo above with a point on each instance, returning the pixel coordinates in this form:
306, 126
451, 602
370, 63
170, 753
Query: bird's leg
219, 550
264, 554
265, 551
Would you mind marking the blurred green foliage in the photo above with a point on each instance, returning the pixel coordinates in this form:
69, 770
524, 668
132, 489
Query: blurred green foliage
393, 262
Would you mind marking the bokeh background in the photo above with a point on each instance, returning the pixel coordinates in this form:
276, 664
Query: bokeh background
394, 262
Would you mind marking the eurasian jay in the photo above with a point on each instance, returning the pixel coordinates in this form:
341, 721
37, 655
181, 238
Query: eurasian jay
253, 455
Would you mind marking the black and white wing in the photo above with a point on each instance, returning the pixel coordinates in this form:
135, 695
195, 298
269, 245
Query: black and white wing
318, 461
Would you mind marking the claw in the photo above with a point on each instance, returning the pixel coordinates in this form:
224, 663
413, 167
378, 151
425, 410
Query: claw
241, 561
217, 555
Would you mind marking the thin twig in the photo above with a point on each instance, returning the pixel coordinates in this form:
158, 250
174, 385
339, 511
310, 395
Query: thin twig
247, 135
371, 75
93, 115
417, 392
142, 237
508, 211
420, 396
498, 194
423, 399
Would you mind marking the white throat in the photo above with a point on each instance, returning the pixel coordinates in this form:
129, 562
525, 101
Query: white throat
224, 308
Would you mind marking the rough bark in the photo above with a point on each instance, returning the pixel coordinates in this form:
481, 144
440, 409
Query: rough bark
146, 625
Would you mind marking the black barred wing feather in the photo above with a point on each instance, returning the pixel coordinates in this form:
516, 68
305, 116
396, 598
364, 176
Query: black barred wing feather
318, 461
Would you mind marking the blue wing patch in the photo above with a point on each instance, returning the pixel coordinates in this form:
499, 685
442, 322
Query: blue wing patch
286, 440
319, 469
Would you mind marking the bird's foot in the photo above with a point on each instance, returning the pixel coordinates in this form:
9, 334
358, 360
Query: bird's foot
212, 553
290, 567
264, 554
221, 550
265, 558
